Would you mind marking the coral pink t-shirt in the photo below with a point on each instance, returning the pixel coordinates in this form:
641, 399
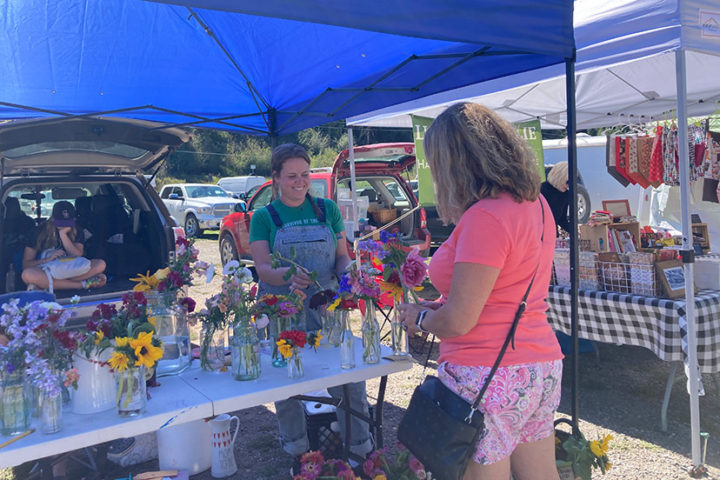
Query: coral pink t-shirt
505, 234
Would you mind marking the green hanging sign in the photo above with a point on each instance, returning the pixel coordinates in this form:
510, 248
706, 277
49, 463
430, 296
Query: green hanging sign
530, 131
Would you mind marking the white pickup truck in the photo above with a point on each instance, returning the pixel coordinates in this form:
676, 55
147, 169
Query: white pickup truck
197, 206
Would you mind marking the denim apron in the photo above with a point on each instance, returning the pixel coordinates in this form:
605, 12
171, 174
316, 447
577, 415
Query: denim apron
315, 250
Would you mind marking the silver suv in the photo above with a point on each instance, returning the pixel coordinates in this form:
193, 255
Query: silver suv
198, 206
97, 165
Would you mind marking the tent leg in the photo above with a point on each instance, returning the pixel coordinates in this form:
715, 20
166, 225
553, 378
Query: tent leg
353, 195
572, 181
688, 255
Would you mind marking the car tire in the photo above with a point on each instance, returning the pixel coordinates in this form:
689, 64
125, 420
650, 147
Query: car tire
192, 226
228, 251
583, 204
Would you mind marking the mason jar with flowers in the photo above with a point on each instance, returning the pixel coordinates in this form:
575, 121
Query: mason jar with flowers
166, 292
39, 349
290, 344
341, 306
364, 286
128, 334
281, 310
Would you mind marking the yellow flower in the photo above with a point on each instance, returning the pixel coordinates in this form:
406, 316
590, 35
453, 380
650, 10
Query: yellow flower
607, 466
152, 320
595, 448
316, 339
122, 341
394, 288
145, 282
119, 361
379, 477
161, 274
147, 353
284, 348
99, 335
605, 445
333, 305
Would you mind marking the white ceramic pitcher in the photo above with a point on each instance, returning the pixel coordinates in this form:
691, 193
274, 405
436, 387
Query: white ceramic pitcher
223, 455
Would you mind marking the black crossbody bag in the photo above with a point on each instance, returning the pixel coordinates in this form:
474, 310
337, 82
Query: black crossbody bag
439, 427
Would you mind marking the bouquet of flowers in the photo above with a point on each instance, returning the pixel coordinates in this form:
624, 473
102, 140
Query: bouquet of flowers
39, 344
179, 273
581, 455
231, 306
281, 308
313, 466
380, 466
289, 344
362, 284
403, 271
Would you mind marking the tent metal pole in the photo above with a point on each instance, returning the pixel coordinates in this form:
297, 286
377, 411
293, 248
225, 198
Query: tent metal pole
353, 195
574, 277
688, 254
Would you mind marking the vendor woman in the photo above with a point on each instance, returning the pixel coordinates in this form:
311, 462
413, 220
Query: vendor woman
314, 228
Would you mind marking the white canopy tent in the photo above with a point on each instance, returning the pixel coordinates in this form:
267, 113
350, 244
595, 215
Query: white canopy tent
638, 61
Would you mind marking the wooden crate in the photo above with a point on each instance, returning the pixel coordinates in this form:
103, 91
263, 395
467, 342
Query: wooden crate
384, 215
701, 236
598, 234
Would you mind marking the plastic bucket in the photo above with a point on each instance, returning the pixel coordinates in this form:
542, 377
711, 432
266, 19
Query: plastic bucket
185, 447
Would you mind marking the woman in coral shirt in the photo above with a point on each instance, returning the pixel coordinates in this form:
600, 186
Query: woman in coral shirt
487, 184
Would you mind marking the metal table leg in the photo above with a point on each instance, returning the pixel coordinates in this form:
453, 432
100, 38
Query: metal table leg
666, 398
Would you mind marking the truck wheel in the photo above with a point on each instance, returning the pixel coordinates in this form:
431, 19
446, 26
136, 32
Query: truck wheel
192, 227
228, 251
583, 204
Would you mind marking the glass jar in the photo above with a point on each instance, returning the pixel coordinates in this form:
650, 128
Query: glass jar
51, 407
170, 327
370, 334
399, 334
347, 341
295, 364
332, 328
278, 325
15, 406
245, 348
131, 394
212, 348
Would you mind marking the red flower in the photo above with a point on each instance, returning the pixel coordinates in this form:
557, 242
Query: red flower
298, 338
271, 300
253, 291
182, 241
348, 304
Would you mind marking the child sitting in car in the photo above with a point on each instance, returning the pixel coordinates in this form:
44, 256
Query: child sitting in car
59, 238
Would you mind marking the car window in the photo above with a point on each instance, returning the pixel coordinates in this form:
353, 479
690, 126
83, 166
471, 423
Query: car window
395, 190
165, 192
262, 198
205, 191
178, 191
318, 187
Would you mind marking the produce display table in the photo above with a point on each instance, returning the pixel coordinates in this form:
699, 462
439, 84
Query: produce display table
657, 324
194, 395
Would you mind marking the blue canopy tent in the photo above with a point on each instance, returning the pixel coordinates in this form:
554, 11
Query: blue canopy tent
271, 67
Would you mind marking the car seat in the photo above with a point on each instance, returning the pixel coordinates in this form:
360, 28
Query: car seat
17, 232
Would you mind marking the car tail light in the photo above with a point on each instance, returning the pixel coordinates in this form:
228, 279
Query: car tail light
179, 232
423, 218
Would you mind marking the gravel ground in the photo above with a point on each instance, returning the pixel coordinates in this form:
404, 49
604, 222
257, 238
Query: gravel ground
620, 393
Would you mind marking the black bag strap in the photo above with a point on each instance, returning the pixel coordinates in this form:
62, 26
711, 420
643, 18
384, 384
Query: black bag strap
511, 334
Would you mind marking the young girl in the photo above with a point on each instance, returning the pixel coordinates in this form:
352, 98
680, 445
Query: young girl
59, 238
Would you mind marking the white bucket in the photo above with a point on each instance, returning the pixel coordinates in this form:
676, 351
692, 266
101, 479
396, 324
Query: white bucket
96, 386
185, 447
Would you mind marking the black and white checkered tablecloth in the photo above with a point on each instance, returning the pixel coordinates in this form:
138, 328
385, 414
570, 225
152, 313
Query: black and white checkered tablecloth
657, 324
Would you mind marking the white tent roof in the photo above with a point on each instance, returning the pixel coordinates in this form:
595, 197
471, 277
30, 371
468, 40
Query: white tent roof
625, 70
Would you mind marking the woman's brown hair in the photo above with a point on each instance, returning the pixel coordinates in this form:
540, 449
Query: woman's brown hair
48, 237
280, 155
474, 154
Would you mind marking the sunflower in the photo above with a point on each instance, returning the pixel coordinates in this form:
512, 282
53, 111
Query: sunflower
147, 353
122, 341
284, 348
595, 448
99, 335
333, 305
119, 361
393, 288
145, 282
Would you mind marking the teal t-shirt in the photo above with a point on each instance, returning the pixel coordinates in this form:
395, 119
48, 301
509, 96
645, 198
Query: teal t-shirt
263, 228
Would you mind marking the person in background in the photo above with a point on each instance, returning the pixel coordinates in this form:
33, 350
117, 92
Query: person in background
313, 228
488, 186
59, 237
555, 191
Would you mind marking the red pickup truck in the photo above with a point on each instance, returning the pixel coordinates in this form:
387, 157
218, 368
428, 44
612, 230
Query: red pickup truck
379, 171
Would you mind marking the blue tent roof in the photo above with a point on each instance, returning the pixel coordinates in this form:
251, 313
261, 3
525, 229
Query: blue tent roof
241, 72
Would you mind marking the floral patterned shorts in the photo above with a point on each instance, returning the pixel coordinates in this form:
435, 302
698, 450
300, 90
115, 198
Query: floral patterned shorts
519, 405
